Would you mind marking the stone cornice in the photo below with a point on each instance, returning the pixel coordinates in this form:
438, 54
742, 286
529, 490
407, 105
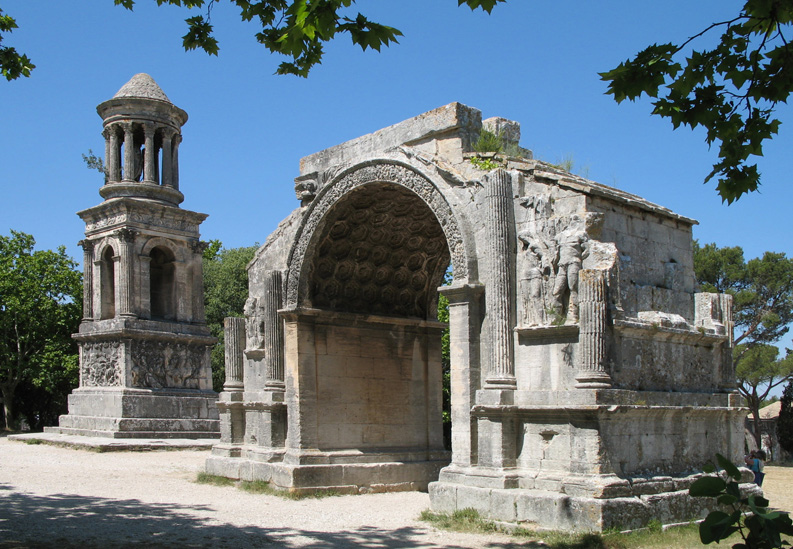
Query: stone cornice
125, 212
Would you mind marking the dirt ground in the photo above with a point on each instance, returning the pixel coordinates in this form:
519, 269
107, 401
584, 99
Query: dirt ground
53, 497
778, 487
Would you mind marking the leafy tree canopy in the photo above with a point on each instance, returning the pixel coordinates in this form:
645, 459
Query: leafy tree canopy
40, 307
762, 291
297, 29
12, 64
784, 425
225, 292
730, 90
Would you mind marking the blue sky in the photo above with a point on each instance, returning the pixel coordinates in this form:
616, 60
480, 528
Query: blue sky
532, 61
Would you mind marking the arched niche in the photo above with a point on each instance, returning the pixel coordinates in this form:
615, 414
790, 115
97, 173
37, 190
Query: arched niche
107, 283
162, 282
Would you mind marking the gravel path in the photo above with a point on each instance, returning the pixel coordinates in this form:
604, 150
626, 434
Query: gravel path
58, 497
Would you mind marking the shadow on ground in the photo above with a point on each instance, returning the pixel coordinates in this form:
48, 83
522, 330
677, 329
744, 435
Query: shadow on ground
70, 521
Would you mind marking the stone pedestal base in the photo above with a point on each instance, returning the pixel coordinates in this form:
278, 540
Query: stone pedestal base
343, 472
141, 413
664, 499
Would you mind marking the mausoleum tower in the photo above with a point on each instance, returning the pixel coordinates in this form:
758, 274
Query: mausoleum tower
144, 344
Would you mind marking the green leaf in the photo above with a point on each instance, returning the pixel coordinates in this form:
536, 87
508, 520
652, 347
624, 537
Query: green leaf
199, 35
707, 487
727, 499
718, 525
486, 5
728, 466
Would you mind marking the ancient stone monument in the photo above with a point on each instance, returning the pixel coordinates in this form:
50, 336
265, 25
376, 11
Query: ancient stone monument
589, 379
144, 343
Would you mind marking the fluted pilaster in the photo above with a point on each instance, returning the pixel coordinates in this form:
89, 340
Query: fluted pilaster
126, 238
88, 279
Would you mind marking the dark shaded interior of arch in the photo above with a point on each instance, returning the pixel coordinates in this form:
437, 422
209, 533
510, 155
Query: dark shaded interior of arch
382, 252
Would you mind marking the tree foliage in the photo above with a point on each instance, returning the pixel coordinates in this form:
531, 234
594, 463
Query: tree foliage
225, 292
784, 425
12, 64
762, 291
40, 307
750, 517
731, 90
759, 370
297, 29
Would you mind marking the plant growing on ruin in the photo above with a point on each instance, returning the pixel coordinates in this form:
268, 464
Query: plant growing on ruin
749, 516
485, 164
488, 142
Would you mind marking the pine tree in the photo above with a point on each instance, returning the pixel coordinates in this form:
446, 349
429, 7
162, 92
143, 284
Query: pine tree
784, 425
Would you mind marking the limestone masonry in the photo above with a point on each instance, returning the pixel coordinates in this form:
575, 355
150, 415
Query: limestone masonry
144, 343
590, 381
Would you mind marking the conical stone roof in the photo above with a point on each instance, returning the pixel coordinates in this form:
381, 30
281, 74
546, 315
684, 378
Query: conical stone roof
142, 85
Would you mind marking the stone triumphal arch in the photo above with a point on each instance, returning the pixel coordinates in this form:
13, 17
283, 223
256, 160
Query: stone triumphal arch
589, 379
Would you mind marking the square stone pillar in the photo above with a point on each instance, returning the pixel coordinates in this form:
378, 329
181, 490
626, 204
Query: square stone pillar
465, 312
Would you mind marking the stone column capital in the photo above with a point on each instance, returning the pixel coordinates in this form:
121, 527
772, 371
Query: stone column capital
198, 246
126, 234
86, 245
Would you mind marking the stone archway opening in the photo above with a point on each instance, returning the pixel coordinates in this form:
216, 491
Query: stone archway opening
161, 284
372, 282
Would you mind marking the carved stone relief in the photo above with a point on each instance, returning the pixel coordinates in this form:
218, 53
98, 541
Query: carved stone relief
101, 364
552, 250
254, 323
158, 365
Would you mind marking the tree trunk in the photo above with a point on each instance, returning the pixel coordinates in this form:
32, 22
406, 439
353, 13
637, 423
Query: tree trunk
8, 406
754, 407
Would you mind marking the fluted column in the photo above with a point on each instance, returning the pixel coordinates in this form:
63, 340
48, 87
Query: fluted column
593, 311
88, 279
129, 152
126, 239
149, 173
175, 161
273, 331
108, 153
234, 330
167, 157
498, 293
113, 156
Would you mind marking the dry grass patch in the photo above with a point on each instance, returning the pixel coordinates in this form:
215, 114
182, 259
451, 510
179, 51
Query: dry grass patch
261, 487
